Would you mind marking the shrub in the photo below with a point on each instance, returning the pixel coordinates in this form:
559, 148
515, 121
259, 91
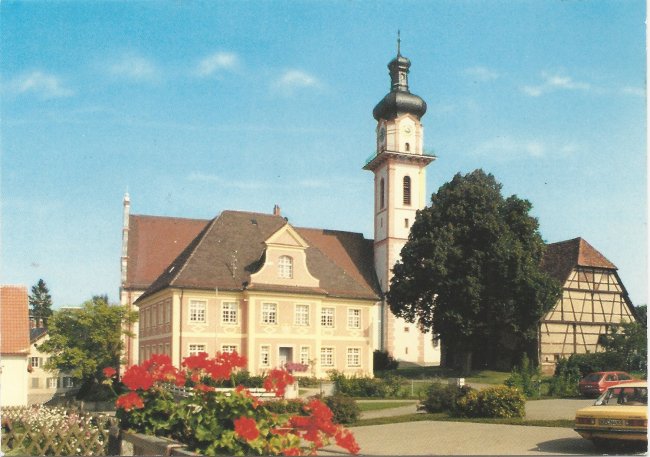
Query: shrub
564, 382
364, 386
497, 401
284, 406
526, 377
382, 360
444, 398
345, 409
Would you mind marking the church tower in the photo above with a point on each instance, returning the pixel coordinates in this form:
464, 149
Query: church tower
400, 190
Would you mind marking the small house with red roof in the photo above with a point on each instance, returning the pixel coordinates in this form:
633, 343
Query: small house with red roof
593, 299
14, 345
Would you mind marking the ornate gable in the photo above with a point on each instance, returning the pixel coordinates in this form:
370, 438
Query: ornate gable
285, 261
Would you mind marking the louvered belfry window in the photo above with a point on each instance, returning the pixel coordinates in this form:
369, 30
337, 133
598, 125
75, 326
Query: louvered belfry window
407, 190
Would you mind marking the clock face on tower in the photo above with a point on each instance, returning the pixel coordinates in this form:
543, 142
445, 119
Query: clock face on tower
407, 129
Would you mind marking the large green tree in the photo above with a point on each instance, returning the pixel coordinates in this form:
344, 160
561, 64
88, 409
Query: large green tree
86, 340
470, 272
40, 302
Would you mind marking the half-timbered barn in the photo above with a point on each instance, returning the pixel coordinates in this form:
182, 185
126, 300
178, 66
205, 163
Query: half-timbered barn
593, 298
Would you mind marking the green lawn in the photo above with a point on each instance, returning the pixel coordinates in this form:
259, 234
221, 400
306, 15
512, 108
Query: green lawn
446, 417
437, 373
376, 405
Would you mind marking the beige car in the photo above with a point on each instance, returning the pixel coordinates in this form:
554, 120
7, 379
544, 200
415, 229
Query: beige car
619, 415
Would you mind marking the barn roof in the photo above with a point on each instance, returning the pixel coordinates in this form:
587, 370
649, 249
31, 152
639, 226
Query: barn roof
14, 320
231, 247
562, 257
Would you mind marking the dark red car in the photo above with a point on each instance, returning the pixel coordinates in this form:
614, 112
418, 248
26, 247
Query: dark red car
595, 384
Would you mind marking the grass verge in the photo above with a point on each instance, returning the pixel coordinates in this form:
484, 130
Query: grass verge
445, 417
377, 405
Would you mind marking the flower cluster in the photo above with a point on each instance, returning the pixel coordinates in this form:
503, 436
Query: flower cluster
296, 367
220, 421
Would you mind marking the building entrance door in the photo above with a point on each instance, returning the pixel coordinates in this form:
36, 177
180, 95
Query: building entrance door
286, 355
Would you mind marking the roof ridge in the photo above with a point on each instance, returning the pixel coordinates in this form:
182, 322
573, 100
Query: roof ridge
331, 230
151, 216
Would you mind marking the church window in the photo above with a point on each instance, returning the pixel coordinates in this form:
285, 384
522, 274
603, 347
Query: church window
229, 313
381, 193
285, 267
406, 223
197, 311
407, 190
407, 147
269, 313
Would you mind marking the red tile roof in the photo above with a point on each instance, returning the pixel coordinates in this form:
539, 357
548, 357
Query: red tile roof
231, 247
154, 242
560, 258
14, 320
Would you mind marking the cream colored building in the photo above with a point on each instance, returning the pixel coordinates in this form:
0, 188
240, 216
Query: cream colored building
45, 385
254, 284
593, 299
14, 345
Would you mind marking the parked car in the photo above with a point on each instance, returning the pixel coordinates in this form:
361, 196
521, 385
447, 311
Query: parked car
595, 384
619, 415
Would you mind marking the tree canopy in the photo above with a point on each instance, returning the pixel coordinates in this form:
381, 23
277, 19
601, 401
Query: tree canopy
471, 273
40, 302
84, 341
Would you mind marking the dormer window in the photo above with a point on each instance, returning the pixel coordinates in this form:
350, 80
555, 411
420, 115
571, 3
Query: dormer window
285, 267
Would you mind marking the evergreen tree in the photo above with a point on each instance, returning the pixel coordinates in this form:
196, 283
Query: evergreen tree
40, 302
470, 272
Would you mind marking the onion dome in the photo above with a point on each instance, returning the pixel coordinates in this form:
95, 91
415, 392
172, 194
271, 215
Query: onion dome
399, 100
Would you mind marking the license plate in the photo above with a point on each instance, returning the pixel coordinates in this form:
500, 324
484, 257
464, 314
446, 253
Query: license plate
611, 422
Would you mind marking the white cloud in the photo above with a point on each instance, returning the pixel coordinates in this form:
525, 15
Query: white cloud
636, 91
553, 83
135, 68
291, 80
43, 84
481, 73
217, 62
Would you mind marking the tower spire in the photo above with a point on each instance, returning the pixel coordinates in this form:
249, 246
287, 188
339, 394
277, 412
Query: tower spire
399, 41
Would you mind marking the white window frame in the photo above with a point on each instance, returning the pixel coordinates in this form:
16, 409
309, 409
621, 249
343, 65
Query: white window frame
354, 318
270, 316
197, 312
227, 313
52, 383
326, 316
285, 267
68, 382
305, 354
196, 348
301, 317
38, 360
265, 355
229, 348
353, 353
327, 352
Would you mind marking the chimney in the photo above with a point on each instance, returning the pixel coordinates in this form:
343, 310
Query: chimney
276, 210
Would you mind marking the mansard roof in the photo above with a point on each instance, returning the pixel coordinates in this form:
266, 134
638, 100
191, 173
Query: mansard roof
14, 320
562, 257
231, 247
153, 243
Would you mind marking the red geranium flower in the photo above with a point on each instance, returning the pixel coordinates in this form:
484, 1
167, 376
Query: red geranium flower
277, 381
137, 377
129, 401
345, 439
246, 428
109, 372
292, 451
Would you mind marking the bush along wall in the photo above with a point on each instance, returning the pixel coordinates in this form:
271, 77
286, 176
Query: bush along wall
364, 386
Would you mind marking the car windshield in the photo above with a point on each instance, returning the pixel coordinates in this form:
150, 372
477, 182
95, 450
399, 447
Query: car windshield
624, 396
593, 377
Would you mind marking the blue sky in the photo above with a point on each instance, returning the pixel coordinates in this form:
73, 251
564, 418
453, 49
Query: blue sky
196, 107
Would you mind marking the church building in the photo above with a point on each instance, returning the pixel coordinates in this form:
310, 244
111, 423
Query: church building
276, 293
